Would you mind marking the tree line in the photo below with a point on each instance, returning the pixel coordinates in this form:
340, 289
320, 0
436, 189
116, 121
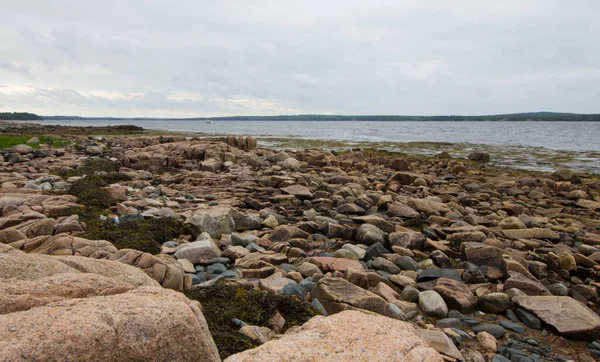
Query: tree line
19, 116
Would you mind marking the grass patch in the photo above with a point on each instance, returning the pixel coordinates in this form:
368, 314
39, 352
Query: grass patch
7, 142
224, 301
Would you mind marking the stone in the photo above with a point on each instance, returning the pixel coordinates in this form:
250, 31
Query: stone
410, 239
258, 334
163, 268
526, 285
337, 295
479, 157
494, 303
427, 206
22, 149
511, 222
107, 268
493, 329
533, 233
301, 192
370, 234
407, 263
20, 295
528, 319
432, 304
566, 261
512, 326
397, 209
487, 341
147, 323
439, 341
570, 318
456, 295
381, 263
433, 274
410, 294
64, 244
274, 286
329, 264
8, 236
359, 252
345, 336
198, 251
214, 221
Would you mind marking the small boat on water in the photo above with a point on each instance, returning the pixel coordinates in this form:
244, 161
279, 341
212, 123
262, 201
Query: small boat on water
209, 122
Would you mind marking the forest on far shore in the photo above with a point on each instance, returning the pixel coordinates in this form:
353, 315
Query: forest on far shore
19, 116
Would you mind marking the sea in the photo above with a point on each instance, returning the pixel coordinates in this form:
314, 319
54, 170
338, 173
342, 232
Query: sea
529, 145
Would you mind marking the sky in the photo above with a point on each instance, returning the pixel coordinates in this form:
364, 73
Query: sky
147, 58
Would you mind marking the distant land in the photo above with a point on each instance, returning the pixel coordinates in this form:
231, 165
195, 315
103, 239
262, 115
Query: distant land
19, 116
514, 117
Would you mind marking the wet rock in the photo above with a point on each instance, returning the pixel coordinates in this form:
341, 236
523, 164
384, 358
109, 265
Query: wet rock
493, 329
479, 157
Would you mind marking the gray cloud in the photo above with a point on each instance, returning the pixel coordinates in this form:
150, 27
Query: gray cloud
186, 58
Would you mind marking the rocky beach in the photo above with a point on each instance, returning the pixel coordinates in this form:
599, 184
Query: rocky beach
118, 243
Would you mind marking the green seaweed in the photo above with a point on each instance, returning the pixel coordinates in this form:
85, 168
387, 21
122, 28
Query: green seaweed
146, 235
224, 301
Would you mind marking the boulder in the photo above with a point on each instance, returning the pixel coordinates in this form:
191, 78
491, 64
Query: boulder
162, 268
108, 268
337, 295
370, 234
346, 336
143, 324
198, 251
570, 318
456, 295
432, 304
301, 192
64, 244
19, 295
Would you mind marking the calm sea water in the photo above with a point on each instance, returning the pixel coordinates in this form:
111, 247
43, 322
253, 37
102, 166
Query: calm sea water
533, 145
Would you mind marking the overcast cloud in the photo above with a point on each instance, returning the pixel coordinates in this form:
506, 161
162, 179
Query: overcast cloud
210, 58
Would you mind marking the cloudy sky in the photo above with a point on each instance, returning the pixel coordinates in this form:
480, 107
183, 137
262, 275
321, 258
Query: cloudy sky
238, 57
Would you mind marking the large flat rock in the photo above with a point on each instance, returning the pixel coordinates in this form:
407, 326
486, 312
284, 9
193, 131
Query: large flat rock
570, 318
346, 336
145, 324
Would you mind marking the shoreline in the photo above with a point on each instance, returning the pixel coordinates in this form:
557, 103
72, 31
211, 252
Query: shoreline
456, 251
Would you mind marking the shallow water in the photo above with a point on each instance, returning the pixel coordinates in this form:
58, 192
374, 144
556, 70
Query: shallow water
543, 146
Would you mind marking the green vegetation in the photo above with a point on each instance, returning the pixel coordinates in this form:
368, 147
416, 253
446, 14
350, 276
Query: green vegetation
7, 142
19, 116
139, 234
225, 300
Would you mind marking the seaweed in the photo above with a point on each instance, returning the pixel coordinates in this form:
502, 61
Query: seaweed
225, 301
146, 235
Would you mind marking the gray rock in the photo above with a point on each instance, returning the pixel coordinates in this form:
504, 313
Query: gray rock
512, 326
432, 304
370, 234
381, 263
493, 329
410, 294
494, 303
407, 263
528, 319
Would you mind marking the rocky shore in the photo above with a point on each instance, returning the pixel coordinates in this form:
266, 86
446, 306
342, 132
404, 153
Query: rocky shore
165, 247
